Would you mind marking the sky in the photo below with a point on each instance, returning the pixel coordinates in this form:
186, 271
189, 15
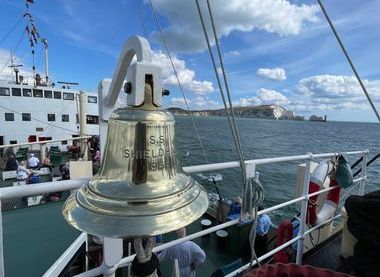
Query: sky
275, 51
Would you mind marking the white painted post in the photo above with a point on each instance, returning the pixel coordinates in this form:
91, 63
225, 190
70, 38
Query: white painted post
363, 173
2, 273
176, 268
112, 254
304, 204
83, 123
129, 253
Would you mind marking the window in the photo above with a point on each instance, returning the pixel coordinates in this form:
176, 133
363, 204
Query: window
26, 92
16, 92
51, 117
65, 118
92, 119
92, 99
37, 93
26, 117
68, 96
48, 94
32, 138
4, 92
13, 142
9, 117
57, 95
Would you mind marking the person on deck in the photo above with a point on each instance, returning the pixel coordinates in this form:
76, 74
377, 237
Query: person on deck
263, 226
33, 162
188, 254
11, 163
235, 209
22, 172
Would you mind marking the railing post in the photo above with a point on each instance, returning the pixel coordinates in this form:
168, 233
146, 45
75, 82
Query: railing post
304, 203
112, 254
2, 273
363, 173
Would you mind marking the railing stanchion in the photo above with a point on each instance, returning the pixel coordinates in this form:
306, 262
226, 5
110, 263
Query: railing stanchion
2, 273
304, 203
363, 173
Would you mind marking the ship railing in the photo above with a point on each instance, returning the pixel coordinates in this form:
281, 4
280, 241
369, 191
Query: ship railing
108, 269
44, 142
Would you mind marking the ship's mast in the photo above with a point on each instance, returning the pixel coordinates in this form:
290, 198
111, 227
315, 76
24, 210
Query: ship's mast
45, 42
15, 68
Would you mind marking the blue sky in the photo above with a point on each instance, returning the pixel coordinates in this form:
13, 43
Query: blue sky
280, 52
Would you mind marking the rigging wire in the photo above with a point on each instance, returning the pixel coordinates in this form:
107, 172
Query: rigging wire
227, 90
219, 82
179, 82
252, 190
14, 51
348, 58
41, 121
11, 30
142, 19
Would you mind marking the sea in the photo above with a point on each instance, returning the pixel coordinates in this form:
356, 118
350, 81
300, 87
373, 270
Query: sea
265, 138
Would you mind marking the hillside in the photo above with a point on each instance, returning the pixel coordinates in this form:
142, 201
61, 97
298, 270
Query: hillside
262, 111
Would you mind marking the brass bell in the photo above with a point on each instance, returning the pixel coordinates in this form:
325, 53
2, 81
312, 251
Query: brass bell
140, 189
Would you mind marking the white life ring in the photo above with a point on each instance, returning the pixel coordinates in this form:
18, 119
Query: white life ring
328, 209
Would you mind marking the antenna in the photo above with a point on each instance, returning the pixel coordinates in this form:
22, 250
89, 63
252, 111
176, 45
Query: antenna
15, 67
68, 84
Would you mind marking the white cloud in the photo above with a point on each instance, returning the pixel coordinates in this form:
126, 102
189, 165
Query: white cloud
179, 102
186, 76
275, 16
268, 96
196, 103
277, 74
263, 97
334, 92
234, 53
202, 102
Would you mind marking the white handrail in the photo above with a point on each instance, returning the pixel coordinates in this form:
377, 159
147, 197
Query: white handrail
35, 189
127, 260
65, 258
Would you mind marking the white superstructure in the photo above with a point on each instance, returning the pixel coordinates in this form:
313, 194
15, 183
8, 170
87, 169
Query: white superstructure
36, 113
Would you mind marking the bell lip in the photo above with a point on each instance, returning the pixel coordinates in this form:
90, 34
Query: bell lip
137, 226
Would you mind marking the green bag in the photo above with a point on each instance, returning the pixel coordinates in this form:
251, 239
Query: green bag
343, 174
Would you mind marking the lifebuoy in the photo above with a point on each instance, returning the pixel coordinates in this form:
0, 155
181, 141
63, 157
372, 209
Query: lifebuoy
317, 178
284, 234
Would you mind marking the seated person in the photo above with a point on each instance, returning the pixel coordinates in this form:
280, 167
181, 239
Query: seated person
235, 209
22, 171
263, 226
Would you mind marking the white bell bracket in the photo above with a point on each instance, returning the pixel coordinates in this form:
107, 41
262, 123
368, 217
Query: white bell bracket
109, 91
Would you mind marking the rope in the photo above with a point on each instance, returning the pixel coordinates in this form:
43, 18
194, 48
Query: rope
178, 81
232, 122
11, 30
145, 262
255, 198
348, 59
143, 254
142, 18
